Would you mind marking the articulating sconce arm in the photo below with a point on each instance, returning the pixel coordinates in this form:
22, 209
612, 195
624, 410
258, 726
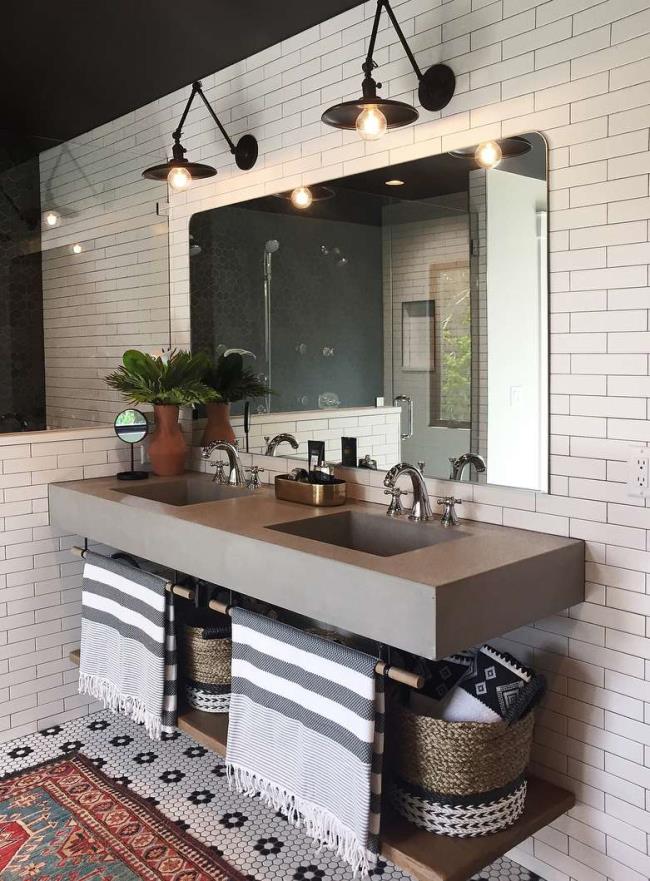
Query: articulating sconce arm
369, 63
198, 90
436, 84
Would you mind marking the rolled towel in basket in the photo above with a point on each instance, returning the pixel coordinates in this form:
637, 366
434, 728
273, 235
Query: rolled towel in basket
484, 686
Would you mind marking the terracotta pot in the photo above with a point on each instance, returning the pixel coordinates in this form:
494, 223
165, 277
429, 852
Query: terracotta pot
218, 426
167, 447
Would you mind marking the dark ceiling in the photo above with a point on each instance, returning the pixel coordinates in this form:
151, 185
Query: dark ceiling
67, 66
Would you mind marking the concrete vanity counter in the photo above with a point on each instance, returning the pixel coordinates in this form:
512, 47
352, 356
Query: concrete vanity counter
479, 583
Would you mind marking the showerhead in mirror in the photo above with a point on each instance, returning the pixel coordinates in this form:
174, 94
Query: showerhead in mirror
271, 246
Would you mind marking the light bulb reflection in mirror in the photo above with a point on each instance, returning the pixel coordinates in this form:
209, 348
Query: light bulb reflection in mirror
179, 179
371, 123
301, 197
488, 154
51, 218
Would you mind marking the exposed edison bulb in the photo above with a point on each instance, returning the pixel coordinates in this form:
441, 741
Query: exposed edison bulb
179, 178
371, 123
77, 249
301, 197
51, 218
488, 155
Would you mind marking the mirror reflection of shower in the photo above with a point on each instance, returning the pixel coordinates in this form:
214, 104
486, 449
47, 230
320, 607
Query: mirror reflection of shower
270, 247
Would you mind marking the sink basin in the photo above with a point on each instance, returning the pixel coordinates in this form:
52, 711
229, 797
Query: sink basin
187, 490
381, 536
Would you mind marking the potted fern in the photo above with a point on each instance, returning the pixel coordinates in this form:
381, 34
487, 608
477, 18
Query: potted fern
230, 381
170, 382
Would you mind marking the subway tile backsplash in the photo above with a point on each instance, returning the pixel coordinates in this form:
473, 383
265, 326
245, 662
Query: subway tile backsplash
377, 430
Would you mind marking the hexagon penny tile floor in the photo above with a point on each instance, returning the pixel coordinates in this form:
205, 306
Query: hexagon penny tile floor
188, 783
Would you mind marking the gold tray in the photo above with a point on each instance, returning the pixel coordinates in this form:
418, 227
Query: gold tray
321, 495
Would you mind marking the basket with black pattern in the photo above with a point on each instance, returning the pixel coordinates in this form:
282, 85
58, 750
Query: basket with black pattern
462, 779
207, 658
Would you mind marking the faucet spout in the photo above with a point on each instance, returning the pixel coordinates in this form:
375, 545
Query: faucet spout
421, 509
237, 476
274, 443
459, 465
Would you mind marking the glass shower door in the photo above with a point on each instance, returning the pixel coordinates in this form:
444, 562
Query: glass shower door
427, 289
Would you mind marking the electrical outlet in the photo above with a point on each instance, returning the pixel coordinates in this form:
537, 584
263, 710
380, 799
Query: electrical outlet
638, 479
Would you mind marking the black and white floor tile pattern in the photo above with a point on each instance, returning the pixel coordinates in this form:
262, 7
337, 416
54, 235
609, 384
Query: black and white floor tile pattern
188, 783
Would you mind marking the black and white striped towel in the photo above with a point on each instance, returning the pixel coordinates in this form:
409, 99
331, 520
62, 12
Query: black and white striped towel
128, 644
306, 733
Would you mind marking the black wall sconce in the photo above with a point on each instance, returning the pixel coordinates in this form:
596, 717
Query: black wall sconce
372, 115
179, 173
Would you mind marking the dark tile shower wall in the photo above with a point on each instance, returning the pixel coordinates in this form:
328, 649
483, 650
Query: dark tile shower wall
22, 370
326, 293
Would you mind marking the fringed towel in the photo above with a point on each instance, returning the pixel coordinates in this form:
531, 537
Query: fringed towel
128, 645
306, 733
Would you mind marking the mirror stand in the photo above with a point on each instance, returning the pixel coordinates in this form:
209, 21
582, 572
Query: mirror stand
132, 474
131, 426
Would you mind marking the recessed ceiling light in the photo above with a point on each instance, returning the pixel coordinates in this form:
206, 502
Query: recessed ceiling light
77, 249
394, 182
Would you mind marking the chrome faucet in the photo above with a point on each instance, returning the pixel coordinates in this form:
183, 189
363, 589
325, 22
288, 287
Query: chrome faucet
459, 465
273, 443
236, 476
421, 509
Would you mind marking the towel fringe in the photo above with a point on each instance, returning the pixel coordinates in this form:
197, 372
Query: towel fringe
315, 821
134, 708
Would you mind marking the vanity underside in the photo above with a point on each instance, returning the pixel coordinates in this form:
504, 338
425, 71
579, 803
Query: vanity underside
426, 856
435, 595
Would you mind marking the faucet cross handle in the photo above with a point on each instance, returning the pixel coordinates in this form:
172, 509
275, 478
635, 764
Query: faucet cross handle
449, 516
395, 508
219, 473
254, 481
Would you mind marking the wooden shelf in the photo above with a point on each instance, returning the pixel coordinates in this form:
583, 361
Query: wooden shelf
428, 857
209, 729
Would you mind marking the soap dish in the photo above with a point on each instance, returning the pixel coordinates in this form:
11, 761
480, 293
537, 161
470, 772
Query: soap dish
320, 495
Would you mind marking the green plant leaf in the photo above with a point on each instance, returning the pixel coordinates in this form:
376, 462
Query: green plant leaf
232, 380
144, 379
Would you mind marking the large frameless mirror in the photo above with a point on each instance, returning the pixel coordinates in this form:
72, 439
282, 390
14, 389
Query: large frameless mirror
423, 284
84, 275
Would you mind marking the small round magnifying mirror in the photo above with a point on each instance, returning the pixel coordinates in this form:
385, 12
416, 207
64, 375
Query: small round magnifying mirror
131, 426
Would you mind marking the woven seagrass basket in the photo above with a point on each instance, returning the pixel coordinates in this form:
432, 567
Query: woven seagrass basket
458, 778
207, 656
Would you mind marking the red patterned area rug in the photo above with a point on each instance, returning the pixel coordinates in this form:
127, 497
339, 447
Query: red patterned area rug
65, 821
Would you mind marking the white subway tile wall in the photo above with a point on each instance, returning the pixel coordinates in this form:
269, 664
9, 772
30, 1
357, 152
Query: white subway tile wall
40, 581
377, 430
577, 70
